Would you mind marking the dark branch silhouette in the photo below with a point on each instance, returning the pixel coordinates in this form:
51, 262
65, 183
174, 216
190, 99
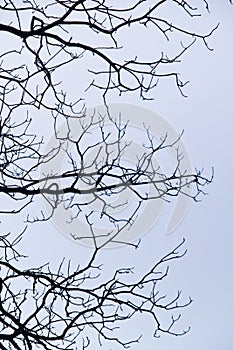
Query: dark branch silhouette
67, 32
77, 307
55, 310
92, 150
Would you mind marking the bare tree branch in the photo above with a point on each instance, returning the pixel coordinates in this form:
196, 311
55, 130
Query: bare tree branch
94, 172
50, 39
83, 170
51, 310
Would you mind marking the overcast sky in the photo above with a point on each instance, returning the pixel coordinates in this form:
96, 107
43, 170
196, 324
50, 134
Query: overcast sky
205, 273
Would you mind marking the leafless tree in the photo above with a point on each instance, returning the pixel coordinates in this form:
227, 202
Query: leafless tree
53, 310
41, 309
94, 173
59, 33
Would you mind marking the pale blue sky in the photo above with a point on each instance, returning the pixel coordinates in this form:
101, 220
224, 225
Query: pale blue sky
205, 273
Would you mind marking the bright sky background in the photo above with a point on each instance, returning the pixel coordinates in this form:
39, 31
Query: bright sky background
205, 273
